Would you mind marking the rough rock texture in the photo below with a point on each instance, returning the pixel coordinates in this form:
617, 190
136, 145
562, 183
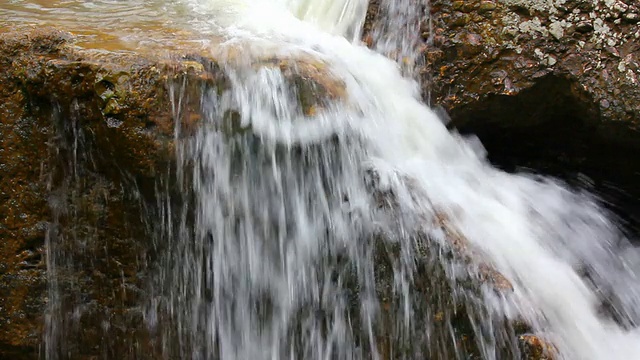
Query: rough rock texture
584, 52
84, 137
451, 307
547, 85
81, 136
84, 134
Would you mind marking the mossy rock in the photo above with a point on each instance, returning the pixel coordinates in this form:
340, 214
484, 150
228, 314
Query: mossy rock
85, 134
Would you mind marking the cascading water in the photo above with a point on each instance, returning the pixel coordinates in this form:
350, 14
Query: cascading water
280, 248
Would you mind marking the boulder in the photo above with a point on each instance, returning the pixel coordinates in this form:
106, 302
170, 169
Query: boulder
547, 86
87, 137
579, 55
83, 133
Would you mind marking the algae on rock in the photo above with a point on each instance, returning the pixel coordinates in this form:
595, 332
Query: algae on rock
85, 136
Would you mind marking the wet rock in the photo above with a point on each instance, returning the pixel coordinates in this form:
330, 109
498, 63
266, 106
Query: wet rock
580, 42
448, 304
314, 88
486, 6
584, 26
552, 88
85, 137
535, 348
548, 86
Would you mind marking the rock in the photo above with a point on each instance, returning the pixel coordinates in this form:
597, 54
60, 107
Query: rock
549, 88
86, 136
632, 18
309, 79
584, 26
575, 43
486, 6
535, 348
444, 303
310, 82
72, 123
463, 249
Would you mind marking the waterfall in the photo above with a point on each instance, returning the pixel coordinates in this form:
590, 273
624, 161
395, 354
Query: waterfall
319, 234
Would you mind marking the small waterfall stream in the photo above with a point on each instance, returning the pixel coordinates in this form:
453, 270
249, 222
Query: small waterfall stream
288, 255
359, 227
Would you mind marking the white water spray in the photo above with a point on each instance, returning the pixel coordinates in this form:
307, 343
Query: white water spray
271, 213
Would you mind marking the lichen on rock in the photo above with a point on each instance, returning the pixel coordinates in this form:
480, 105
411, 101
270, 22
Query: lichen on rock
588, 43
86, 136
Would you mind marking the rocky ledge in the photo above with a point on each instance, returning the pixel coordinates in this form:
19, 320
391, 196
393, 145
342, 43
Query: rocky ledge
583, 50
79, 131
86, 138
546, 85
85, 134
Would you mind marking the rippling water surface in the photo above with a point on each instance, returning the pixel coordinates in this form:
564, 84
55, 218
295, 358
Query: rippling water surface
105, 24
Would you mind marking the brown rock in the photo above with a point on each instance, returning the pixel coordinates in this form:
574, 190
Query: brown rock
535, 348
70, 122
85, 136
568, 47
584, 26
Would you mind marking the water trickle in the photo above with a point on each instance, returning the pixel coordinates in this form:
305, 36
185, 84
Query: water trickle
400, 29
362, 228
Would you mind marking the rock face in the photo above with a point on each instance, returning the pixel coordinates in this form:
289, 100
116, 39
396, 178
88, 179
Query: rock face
86, 134
87, 141
85, 138
546, 85
583, 53
82, 134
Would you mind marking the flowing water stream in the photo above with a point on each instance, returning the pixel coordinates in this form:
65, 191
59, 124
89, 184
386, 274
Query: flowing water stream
282, 257
316, 236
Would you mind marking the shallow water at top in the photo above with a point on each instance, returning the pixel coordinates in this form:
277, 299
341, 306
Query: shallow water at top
106, 24
535, 232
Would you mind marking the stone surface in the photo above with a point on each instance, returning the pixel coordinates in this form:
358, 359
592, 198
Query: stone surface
82, 134
548, 87
85, 136
448, 305
587, 50
536, 348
